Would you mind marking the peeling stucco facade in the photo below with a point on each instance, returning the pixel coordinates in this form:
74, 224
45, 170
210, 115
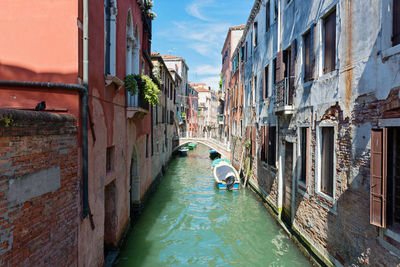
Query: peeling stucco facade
359, 95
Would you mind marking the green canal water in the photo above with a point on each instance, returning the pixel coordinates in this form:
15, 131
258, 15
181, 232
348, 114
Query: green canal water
189, 222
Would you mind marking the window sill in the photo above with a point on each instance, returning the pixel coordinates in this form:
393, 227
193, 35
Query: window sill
111, 79
391, 52
303, 190
110, 176
329, 205
328, 76
390, 241
272, 170
307, 83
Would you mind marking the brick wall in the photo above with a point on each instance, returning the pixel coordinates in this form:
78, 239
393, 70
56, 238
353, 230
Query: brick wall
39, 189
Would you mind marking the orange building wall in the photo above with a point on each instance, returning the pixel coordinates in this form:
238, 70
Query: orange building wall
39, 36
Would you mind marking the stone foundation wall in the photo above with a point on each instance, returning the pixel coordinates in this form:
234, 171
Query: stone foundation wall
39, 189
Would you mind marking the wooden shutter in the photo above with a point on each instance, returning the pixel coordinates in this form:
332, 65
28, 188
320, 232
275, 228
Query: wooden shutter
378, 178
396, 22
292, 70
330, 42
279, 67
253, 141
248, 132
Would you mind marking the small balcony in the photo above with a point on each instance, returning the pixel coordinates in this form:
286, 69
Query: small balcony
284, 96
137, 106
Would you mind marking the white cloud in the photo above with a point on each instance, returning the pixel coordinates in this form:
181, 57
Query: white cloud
212, 81
194, 9
207, 70
204, 38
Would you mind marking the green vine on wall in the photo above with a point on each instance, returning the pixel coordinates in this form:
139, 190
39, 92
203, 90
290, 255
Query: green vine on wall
247, 144
151, 92
6, 121
131, 83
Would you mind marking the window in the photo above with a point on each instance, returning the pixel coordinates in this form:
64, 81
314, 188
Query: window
110, 159
275, 71
304, 154
268, 145
385, 178
275, 10
267, 15
255, 89
246, 50
265, 83
308, 55
242, 54
110, 14
327, 160
396, 22
330, 42
255, 33
271, 146
147, 145
156, 115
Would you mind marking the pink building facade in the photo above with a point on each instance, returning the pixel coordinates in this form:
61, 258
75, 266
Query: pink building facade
73, 59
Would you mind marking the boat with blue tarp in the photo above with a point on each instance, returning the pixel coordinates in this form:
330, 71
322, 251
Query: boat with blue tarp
226, 176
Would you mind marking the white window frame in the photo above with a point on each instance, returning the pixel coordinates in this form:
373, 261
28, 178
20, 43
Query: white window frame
298, 171
113, 36
318, 160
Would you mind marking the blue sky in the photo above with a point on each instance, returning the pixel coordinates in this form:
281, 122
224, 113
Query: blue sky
196, 30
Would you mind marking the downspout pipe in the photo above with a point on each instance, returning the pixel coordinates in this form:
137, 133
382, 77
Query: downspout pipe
85, 106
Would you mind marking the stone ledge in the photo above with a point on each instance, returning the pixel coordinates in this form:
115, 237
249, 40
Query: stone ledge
28, 123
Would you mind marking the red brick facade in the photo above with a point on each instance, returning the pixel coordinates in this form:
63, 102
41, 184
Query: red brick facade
38, 217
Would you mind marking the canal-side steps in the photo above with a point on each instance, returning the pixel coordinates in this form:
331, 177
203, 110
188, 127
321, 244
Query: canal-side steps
308, 249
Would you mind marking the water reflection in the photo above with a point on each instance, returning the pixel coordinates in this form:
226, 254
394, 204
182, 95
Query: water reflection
189, 222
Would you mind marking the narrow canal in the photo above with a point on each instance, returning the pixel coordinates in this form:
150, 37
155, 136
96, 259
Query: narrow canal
188, 222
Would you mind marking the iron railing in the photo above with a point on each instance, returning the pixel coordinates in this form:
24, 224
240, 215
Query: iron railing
284, 93
137, 100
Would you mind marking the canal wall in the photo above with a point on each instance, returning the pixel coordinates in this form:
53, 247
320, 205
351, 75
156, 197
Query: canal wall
39, 189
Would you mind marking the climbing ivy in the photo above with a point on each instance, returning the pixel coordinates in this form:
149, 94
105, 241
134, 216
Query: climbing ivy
151, 91
131, 83
6, 121
134, 82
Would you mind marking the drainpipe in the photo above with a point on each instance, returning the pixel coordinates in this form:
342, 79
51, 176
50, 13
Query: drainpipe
85, 106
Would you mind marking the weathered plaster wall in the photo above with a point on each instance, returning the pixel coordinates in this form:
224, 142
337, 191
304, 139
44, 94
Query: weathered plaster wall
361, 93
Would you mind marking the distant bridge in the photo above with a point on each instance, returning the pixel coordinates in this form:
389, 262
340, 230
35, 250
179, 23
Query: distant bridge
220, 147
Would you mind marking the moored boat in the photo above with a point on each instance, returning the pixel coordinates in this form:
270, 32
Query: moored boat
183, 151
216, 161
226, 176
214, 154
192, 145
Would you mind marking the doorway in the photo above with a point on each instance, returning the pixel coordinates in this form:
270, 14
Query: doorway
110, 217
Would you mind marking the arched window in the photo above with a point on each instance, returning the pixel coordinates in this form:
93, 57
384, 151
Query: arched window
132, 54
110, 15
